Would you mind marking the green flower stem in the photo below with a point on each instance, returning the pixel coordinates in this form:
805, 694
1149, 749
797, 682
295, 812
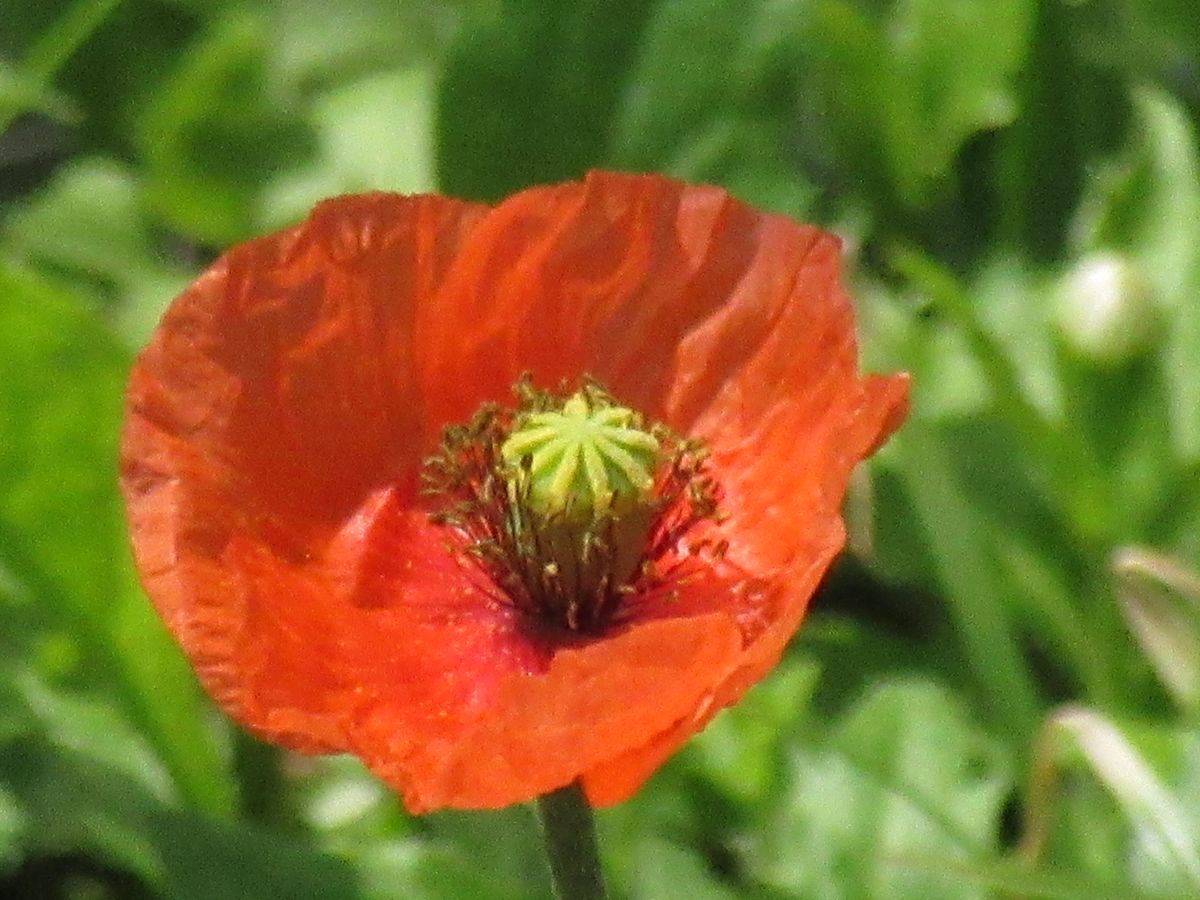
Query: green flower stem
570, 837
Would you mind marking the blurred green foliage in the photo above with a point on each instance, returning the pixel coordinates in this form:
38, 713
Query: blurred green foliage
994, 696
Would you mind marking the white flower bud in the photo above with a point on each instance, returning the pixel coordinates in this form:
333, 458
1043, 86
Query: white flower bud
1106, 311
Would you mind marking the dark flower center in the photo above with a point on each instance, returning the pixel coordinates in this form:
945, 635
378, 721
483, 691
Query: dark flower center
571, 503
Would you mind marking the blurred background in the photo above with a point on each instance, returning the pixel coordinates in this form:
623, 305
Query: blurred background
996, 693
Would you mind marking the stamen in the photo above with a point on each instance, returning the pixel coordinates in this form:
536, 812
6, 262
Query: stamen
571, 505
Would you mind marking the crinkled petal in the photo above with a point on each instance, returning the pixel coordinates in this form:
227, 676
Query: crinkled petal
605, 276
730, 325
277, 423
277, 392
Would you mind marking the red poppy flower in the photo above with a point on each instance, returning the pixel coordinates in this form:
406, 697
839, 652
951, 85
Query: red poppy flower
279, 419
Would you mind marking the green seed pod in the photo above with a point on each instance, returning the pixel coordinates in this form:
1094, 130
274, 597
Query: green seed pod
587, 459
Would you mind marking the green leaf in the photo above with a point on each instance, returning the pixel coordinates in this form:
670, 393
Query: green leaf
1153, 776
1161, 601
713, 98
910, 82
1150, 205
665, 869
87, 722
86, 221
407, 870
505, 844
74, 803
904, 775
1021, 385
316, 43
1012, 878
14, 828
61, 378
343, 802
56, 44
957, 534
373, 134
1071, 112
899, 332
740, 750
88, 228
21, 93
1151, 39
216, 131
972, 523
167, 703
27, 87
64, 543
529, 92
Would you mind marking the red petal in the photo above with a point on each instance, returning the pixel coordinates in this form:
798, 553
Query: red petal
278, 419
277, 391
541, 731
604, 277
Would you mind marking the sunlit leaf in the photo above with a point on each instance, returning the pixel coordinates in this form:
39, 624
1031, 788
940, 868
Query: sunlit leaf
1164, 838
61, 376
1161, 602
19, 93
905, 775
313, 42
373, 134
